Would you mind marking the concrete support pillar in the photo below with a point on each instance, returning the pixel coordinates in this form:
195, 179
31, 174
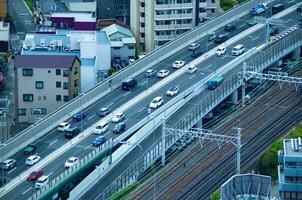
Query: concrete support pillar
296, 53
234, 97
199, 124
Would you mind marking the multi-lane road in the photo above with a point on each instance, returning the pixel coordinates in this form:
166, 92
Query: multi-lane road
114, 100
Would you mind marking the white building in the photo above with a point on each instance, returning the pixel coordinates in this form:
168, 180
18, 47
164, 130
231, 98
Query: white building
4, 36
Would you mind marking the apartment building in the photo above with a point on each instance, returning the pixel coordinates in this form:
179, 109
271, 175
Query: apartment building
44, 83
155, 23
290, 170
4, 36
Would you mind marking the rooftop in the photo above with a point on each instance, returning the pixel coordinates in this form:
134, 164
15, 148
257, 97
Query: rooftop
78, 16
114, 28
293, 147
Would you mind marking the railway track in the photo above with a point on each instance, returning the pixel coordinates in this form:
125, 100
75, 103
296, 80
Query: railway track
204, 158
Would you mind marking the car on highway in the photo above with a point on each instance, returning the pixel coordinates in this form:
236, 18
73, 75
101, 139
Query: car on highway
118, 117
99, 141
63, 126
220, 39
156, 102
172, 91
258, 9
194, 46
72, 161
35, 175
274, 31
78, 116
221, 51
252, 22
71, 132
42, 182
119, 128
196, 54
191, 69
211, 36
238, 50
101, 128
29, 149
178, 64
31, 160
229, 27
104, 111
163, 73
150, 73
9, 164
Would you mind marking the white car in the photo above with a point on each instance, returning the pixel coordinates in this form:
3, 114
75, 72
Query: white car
156, 102
172, 91
194, 46
31, 160
191, 69
42, 182
100, 128
162, 73
63, 126
220, 51
118, 117
178, 64
71, 162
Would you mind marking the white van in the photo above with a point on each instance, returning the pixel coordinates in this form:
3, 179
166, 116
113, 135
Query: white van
41, 182
238, 49
101, 128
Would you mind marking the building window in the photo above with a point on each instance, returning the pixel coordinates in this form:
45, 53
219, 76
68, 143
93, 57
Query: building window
38, 111
28, 97
44, 97
58, 97
116, 48
65, 72
39, 85
65, 85
22, 111
65, 98
27, 72
213, 1
130, 47
58, 84
76, 70
58, 72
76, 83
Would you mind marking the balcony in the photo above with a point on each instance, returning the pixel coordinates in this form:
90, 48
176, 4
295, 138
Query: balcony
142, 9
142, 29
174, 6
142, 40
173, 27
142, 19
287, 186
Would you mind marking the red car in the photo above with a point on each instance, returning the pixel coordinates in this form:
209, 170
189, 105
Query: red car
35, 175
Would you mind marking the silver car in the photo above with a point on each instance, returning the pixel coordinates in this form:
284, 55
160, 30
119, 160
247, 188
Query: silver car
9, 163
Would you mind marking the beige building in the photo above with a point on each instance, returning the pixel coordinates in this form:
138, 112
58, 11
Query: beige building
156, 22
3, 8
44, 83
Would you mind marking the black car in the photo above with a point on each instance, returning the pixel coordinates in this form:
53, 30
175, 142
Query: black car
71, 132
78, 116
229, 27
220, 39
299, 9
274, 30
119, 128
103, 112
196, 54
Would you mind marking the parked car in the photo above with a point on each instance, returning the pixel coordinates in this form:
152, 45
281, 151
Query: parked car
162, 73
30, 149
229, 27
99, 141
119, 128
71, 132
78, 116
101, 128
196, 54
172, 91
31, 160
178, 64
221, 51
104, 111
124, 63
194, 46
35, 175
72, 161
150, 73
191, 69
42, 182
220, 39
9, 164
63, 126
118, 117
156, 102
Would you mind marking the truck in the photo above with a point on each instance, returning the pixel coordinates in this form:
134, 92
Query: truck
213, 83
258, 9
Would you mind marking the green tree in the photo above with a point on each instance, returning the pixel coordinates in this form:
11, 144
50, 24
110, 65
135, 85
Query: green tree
227, 4
215, 195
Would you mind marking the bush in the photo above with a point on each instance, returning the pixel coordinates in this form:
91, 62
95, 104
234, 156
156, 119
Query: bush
215, 195
227, 4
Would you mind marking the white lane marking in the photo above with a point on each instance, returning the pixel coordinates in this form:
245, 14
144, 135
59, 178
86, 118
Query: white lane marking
87, 147
143, 83
142, 109
53, 142
255, 38
126, 94
210, 43
26, 190
50, 174
11, 170
208, 66
125, 120
288, 20
201, 73
91, 116
222, 57
192, 76
110, 104
241, 26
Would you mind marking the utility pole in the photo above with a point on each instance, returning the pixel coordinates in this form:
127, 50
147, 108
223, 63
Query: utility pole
239, 130
163, 148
